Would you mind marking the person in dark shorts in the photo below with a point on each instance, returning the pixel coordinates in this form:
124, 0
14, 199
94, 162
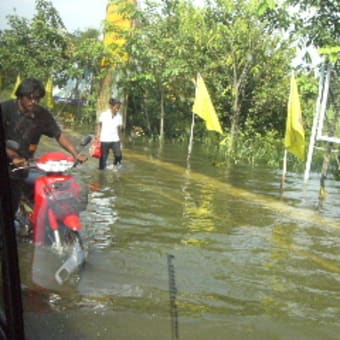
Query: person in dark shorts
109, 132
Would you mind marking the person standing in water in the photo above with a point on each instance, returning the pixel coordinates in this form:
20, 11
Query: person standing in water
109, 133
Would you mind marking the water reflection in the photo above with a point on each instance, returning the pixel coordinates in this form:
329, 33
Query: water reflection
249, 264
198, 215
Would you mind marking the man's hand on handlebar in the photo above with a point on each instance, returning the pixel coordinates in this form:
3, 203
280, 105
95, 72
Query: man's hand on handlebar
81, 158
16, 159
19, 162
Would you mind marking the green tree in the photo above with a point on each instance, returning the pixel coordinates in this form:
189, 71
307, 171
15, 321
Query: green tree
318, 21
241, 48
117, 27
163, 64
248, 57
85, 52
35, 47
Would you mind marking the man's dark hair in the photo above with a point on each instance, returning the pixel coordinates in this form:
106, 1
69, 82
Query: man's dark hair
30, 86
114, 101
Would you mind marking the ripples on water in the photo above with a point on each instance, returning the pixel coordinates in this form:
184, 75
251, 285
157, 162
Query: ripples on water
243, 268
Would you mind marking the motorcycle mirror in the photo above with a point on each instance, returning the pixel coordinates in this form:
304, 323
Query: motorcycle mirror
86, 140
12, 144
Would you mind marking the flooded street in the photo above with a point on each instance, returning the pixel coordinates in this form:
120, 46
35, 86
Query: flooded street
213, 252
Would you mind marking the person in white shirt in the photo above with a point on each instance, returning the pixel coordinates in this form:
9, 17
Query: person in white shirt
109, 133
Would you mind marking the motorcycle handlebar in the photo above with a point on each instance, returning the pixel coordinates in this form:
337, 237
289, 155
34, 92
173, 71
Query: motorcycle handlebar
31, 164
13, 145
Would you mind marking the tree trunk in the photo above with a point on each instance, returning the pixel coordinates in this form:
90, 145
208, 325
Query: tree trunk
147, 118
235, 117
238, 89
234, 125
105, 92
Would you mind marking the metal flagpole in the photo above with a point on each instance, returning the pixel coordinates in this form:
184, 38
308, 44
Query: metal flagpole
284, 172
323, 105
315, 124
191, 136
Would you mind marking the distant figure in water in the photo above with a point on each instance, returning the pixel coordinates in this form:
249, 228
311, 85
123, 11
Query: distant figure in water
109, 133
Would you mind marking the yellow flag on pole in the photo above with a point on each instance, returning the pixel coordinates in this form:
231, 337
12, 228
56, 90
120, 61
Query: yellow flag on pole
17, 83
295, 134
49, 94
203, 106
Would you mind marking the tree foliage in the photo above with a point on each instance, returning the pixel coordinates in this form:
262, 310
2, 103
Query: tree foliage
42, 48
318, 25
85, 52
244, 61
37, 47
243, 49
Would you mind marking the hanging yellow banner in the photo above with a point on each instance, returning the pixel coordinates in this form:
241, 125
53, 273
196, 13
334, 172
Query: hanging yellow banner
17, 83
295, 134
203, 106
116, 25
49, 93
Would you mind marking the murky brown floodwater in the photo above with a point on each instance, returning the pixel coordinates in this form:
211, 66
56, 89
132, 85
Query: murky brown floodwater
247, 264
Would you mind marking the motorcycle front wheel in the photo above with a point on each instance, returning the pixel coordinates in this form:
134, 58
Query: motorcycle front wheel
70, 249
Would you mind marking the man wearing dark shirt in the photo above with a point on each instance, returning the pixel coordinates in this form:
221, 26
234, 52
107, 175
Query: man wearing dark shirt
24, 122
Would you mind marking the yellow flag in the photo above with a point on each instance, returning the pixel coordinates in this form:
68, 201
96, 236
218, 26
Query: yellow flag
204, 108
295, 134
17, 83
49, 93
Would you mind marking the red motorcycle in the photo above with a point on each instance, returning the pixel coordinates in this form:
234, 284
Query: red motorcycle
53, 216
